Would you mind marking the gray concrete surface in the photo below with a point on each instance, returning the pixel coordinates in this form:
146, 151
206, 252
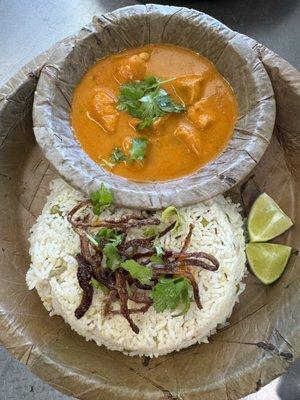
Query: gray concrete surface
28, 27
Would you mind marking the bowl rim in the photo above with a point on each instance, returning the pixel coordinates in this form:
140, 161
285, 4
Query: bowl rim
205, 183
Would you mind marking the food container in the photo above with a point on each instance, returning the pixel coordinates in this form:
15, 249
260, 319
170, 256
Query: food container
181, 26
263, 336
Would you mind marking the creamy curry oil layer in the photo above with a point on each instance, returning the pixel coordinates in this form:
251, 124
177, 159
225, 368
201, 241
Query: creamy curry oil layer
177, 143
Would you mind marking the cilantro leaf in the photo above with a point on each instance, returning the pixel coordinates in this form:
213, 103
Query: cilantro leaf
146, 100
136, 152
91, 239
204, 222
138, 149
111, 235
145, 123
158, 248
156, 259
131, 92
55, 209
166, 104
169, 293
101, 199
150, 231
171, 213
138, 271
117, 155
156, 104
113, 258
100, 286
185, 298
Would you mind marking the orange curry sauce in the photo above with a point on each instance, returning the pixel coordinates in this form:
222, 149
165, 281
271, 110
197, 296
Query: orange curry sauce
178, 144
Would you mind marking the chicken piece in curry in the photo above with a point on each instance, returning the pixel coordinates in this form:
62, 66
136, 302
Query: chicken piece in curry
103, 111
153, 113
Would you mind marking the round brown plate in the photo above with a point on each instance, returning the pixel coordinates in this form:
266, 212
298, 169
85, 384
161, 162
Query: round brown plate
263, 336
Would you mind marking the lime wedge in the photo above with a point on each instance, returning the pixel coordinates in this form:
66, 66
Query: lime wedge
266, 220
267, 260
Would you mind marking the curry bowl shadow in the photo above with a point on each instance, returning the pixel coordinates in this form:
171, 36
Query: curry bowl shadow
133, 27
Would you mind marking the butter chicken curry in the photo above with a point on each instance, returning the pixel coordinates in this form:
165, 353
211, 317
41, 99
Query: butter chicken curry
153, 113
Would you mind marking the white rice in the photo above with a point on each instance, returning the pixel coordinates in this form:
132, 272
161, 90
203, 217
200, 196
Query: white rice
53, 273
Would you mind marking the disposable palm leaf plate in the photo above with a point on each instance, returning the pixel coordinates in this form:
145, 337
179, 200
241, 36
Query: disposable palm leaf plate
240, 358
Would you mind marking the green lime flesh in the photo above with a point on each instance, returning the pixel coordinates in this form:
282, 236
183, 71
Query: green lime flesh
266, 220
267, 260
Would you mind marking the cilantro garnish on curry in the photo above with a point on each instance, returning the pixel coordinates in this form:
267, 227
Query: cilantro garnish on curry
153, 113
147, 101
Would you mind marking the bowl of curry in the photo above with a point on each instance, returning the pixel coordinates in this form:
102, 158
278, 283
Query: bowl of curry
163, 105
167, 100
